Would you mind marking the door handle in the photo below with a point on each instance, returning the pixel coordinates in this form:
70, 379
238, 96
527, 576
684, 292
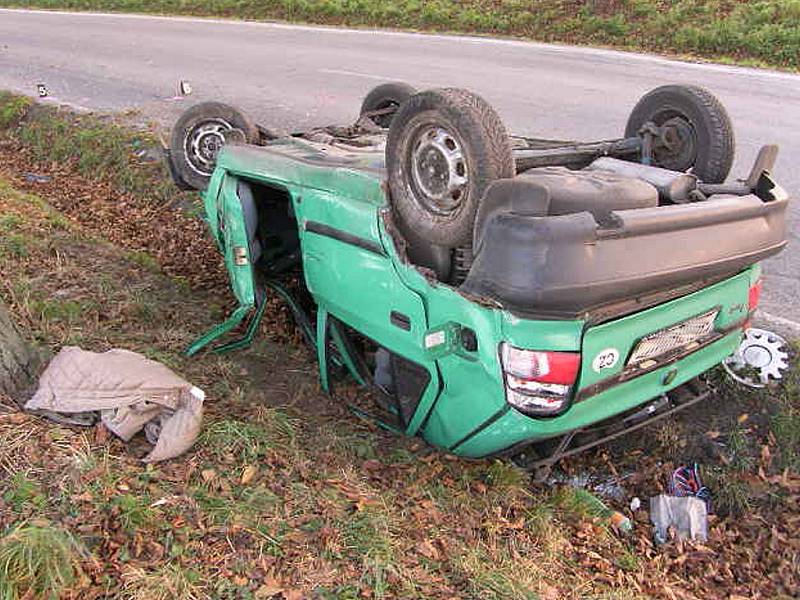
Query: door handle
400, 320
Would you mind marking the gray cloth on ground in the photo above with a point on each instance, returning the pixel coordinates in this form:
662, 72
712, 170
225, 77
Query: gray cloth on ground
686, 514
130, 392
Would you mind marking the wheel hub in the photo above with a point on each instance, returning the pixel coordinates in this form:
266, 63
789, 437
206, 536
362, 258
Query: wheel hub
677, 149
760, 359
439, 170
203, 143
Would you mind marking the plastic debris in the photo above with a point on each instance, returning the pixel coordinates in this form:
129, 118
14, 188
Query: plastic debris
41, 90
610, 488
686, 481
635, 504
184, 88
686, 516
597, 508
34, 178
761, 358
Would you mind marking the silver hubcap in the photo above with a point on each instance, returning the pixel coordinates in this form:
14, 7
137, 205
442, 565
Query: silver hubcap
439, 170
760, 359
203, 143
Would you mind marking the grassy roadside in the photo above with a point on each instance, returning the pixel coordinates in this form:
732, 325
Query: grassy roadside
98, 147
274, 501
764, 32
287, 495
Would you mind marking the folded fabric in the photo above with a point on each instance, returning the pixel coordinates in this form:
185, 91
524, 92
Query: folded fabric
128, 390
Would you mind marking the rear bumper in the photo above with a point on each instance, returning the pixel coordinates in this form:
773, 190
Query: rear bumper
512, 429
565, 266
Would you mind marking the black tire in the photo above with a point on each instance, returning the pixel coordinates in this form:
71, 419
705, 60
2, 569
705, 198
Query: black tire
199, 134
472, 146
702, 130
386, 95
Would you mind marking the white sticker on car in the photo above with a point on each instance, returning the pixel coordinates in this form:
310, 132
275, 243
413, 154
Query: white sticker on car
437, 338
605, 359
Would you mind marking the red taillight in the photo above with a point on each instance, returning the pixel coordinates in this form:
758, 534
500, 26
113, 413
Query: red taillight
538, 383
754, 296
563, 368
535, 365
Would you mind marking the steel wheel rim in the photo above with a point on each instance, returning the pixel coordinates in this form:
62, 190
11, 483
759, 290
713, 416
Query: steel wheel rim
439, 173
203, 143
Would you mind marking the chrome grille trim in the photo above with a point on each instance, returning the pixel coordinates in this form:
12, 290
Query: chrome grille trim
676, 336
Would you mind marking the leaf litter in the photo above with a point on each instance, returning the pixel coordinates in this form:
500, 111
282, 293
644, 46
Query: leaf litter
291, 496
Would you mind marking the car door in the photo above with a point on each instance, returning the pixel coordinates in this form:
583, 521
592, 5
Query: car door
350, 273
225, 215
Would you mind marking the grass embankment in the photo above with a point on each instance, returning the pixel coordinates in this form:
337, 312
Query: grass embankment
287, 494
765, 32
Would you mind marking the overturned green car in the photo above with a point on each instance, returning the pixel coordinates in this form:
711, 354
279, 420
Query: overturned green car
499, 295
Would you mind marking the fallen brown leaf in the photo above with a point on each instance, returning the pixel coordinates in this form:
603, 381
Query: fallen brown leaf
248, 473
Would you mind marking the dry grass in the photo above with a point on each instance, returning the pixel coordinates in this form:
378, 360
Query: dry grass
287, 491
168, 582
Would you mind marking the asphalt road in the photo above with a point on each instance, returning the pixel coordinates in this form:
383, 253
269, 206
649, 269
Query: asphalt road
295, 76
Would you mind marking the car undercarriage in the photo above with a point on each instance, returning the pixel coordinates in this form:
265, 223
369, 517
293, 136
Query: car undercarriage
579, 289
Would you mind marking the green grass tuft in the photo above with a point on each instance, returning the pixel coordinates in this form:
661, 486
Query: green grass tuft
786, 428
731, 495
740, 453
133, 510
23, 492
493, 579
14, 245
168, 582
37, 560
368, 535
12, 109
144, 260
9, 223
504, 474
234, 439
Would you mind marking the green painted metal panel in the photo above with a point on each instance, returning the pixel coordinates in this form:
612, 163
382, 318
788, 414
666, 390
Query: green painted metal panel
355, 273
354, 218
471, 382
555, 335
210, 199
622, 334
514, 427
235, 244
299, 163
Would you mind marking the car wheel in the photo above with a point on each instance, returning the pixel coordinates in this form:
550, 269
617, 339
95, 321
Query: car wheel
198, 136
697, 133
386, 97
443, 150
